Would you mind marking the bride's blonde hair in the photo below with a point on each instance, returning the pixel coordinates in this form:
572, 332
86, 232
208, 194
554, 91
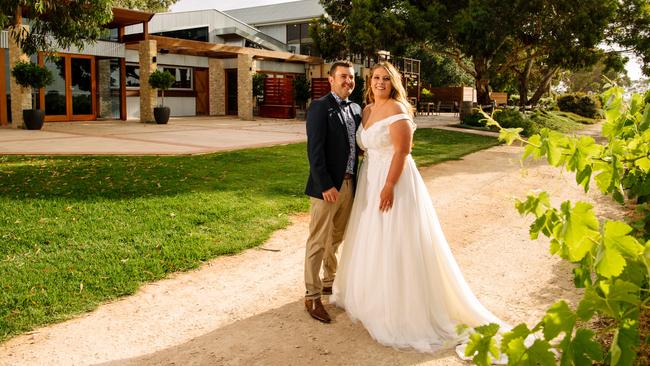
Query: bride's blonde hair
397, 91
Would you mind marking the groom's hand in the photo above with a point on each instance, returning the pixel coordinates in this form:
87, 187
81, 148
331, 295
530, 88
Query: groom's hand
331, 195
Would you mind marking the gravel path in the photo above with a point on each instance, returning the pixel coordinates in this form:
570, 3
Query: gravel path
247, 309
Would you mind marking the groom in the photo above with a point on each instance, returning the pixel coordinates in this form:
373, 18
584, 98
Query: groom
332, 122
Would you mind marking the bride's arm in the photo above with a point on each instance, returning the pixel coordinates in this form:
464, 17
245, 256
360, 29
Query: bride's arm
401, 136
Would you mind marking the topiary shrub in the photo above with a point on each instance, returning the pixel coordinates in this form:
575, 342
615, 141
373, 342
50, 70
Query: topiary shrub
585, 105
301, 90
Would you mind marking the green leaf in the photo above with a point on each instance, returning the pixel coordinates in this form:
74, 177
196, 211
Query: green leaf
625, 342
521, 331
581, 229
617, 244
533, 147
482, 344
540, 354
592, 302
534, 204
581, 277
643, 164
610, 263
509, 135
583, 177
584, 350
559, 318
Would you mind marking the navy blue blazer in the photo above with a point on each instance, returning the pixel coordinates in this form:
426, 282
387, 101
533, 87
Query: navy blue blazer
327, 145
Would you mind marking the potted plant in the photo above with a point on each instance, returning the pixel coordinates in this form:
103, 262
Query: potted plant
29, 75
162, 80
258, 91
301, 92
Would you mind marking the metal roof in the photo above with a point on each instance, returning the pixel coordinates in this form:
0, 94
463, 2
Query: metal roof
294, 11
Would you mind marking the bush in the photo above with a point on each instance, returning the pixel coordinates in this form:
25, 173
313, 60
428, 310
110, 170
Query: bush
581, 104
474, 119
513, 100
426, 95
557, 121
547, 103
258, 86
512, 118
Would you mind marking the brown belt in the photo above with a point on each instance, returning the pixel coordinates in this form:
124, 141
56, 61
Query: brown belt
347, 176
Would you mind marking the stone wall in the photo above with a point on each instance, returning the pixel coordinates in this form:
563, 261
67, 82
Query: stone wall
21, 98
217, 85
245, 86
148, 95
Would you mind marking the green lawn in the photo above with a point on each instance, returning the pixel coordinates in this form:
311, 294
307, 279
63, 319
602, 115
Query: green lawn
78, 231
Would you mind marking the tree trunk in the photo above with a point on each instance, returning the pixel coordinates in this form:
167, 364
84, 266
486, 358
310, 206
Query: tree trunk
482, 82
523, 83
543, 86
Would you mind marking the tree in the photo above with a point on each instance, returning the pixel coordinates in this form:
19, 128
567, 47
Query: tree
593, 79
359, 27
55, 23
532, 39
64, 23
155, 6
439, 70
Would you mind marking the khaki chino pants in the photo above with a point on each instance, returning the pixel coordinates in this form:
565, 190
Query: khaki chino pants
326, 230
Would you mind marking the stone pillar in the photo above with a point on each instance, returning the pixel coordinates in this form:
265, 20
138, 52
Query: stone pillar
21, 98
148, 95
104, 88
217, 85
245, 87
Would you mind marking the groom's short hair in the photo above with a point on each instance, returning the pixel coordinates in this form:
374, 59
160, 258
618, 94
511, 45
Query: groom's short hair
341, 63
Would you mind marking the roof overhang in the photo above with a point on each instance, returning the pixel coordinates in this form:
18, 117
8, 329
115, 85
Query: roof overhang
205, 49
126, 17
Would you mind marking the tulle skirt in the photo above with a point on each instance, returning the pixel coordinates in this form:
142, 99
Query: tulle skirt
397, 274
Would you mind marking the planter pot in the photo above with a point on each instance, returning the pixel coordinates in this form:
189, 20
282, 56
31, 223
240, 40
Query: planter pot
161, 115
33, 118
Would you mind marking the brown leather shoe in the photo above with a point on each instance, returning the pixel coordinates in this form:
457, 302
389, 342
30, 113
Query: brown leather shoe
317, 311
327, 290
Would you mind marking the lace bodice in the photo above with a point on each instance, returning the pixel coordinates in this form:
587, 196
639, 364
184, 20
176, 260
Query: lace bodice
376, 139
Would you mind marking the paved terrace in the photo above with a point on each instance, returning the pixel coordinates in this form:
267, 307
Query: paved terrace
188, 135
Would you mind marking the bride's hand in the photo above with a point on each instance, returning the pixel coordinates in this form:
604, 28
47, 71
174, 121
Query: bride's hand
386, 198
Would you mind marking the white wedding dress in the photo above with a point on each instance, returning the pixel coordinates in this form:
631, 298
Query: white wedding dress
397, 274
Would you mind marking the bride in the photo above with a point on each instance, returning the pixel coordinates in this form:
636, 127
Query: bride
397, 274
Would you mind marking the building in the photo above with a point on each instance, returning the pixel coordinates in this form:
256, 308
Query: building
212, 54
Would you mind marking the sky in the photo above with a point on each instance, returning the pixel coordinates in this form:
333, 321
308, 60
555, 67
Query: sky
633, 68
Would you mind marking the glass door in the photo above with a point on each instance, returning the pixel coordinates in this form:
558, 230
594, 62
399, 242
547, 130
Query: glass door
70, 96
81, 86
55, 93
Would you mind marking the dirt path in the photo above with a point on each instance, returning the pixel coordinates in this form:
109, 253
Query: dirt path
247, 309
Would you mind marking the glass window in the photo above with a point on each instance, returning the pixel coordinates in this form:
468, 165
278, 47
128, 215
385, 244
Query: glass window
293, 32
183, 77
132, 75
194, 34
109, 35
304, 30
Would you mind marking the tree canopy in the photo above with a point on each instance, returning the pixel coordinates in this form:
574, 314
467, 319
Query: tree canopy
64, 23
155, 6
492, 38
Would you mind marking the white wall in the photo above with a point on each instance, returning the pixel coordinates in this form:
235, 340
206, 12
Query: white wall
179, 106
278, 31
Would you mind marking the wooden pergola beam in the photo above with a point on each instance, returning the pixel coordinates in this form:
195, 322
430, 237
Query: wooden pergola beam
198, 48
